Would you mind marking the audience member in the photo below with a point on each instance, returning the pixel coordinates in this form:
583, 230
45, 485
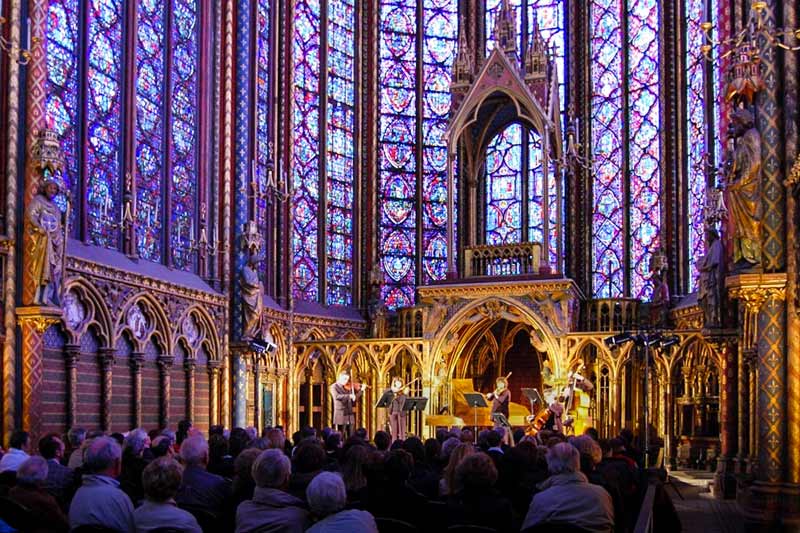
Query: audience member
161, 480
447, 483
308, 461
352, 469
243, 482
391, 495
29, 492
61, 481
161, 447
201, 488
220, 461
272, 508
276, 438
184, 426
99, 501
382, 441
133, 464
17, 453
327, 496
76, 437
475, 500
568, 498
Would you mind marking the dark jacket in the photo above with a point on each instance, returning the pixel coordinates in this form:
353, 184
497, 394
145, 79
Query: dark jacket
343, 405
203, 489
42, 505
272, 510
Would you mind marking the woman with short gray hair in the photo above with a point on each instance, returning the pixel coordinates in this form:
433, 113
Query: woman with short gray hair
327, 496
161, 480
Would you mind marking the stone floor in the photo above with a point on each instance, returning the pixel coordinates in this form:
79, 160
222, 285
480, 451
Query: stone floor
698, 510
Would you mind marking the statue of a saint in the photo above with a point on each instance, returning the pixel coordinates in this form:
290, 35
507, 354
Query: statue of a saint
712, 279
44, 228
659, 305
743, 191
252, 298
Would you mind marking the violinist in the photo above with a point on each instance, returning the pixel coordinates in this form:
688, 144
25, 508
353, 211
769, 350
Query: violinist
500, 397
345, 395
397, 417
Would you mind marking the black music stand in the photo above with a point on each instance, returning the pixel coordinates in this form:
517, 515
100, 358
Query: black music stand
415, 403
475, 400
535, 398
385, 399
500, 420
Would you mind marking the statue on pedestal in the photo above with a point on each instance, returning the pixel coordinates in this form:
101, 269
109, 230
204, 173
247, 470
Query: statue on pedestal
659, 305
44, 226
250, 284
743, 191
712, 279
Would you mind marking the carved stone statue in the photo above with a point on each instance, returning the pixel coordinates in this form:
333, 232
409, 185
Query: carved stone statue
743, 191
659, 305
252, 298
45, 229
712, 279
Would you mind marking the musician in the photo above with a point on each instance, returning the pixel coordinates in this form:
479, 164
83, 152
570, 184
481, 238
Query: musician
345, 395
397, 416
500, 397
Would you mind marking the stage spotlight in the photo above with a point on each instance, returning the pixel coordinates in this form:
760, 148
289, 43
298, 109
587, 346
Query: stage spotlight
669, 340
261, 346
618, 340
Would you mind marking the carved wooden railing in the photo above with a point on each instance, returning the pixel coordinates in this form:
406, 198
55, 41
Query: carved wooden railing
504, 260
611, 314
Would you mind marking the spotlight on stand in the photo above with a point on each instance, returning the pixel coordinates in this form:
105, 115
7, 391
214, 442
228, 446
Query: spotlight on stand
618, 340
668, 340
262, 346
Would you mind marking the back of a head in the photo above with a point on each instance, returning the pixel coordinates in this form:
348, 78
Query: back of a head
217, 447
160, 446
272, 469
592, 432
183, 430
362, 434
586, 445
563, 458
415, 447
326, 494
194, 451
309, 457
333, 441
135, 441
161, 479
238, 441
32, 472
19, 439
493, 439
276, 438
243, 464
432, 450
475, 472
448, 446
50, 445
76, 436
398, 466
382, 441
617, 445
102, 454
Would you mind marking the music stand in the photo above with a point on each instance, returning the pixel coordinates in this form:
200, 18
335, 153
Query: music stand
475, 400
415, 403
385, 399
500, 420
534, 397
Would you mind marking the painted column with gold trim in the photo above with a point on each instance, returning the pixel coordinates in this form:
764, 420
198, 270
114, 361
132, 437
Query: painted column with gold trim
213, 386
772, 387
164, 369
137, 362
71, 357
257, 397
189, 367
106, 360
33, 322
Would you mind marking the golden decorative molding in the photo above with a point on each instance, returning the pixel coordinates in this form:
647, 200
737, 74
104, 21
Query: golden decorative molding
40, 318
688, 318
533, 288
755, 289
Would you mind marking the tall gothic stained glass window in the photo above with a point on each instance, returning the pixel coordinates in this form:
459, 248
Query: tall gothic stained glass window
414, 107
86, 103
625, 145
262, 119
323, 180
517, 151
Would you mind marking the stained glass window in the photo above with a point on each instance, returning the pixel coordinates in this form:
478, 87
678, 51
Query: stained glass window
406, 174
627, 175
85, 106
323, 180
184, 131
340, 156
262, 110
504, 187
699, 98
305, 163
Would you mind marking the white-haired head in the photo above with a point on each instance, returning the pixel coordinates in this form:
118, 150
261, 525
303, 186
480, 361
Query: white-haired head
33, 471
563, 458
587, 445
136, 441
103, 455
272, 469
194, 451
326, 494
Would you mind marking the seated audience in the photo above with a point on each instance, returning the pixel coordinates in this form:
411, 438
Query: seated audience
61, 481
161, 446
568, 498
391, 495
17, 453
272, 508
99, 501
382, 441
220, 461
352, 469
76, 438
201, 488
29, 492
327, 496
462, 450
243, 482
160, 481
475, 500
308, 461
276, 438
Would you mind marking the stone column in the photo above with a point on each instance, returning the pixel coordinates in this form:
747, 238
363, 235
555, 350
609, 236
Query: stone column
164, 369
213, 386
71, 356
724, 482
225, 395
257, 397
239, 389
190, 365
772, 388
106, 363
136, 362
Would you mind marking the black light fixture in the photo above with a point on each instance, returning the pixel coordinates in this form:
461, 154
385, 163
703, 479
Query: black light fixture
262, 345
619, 339
669, 340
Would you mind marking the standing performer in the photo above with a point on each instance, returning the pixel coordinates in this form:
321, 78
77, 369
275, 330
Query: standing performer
500, 397
344, 396
397, 417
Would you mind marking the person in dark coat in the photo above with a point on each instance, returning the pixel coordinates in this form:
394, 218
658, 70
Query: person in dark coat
475, 500
201, 488
397, 417
500, 397
345, 397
